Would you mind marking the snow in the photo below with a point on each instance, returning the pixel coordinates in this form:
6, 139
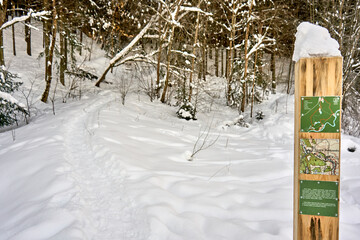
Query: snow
314, 41
23, 18
8, 97
101, 170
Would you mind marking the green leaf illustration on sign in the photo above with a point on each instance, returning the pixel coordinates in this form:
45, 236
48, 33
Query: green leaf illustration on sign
319, 198
320, 114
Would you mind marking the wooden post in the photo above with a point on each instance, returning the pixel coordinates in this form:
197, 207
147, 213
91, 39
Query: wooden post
318, 88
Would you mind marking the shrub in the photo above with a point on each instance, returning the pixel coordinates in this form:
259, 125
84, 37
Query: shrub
186, 111
10, 107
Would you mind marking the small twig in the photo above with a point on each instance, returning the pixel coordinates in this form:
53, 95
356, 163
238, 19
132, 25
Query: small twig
204, 138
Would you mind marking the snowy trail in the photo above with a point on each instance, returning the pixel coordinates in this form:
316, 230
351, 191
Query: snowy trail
101, 205
220, 195
100, 170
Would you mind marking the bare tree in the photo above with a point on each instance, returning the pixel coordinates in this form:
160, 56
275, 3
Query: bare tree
49, 58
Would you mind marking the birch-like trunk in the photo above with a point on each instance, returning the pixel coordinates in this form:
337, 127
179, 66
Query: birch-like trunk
230, 57
168, 57
194, 52
62, 48
158, 67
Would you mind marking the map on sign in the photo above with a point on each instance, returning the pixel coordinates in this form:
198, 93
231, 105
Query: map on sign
319, 156
320, 114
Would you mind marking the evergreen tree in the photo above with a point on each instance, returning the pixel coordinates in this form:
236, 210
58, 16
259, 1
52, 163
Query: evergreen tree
10, 108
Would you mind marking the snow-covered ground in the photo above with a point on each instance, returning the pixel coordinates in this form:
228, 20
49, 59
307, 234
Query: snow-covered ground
101, 170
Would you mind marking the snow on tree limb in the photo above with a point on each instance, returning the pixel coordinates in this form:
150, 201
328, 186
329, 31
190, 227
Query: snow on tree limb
127, 49
23, 18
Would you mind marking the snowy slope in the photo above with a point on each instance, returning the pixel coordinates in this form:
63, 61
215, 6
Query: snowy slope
101, 170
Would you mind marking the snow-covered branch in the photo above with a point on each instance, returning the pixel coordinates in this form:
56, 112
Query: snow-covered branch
31, 14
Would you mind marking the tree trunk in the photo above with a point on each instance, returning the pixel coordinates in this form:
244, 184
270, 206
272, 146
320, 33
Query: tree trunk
217, 61
222, 61
194, 52
67, 35
289, 76
3, 9
168, 58
62, 49
204, 56
205, 49
158, 67
243, 102
226, 62
253, 84
46, 37
28, 36
13, 30
230, 60
273, 73
49, 64
81, 41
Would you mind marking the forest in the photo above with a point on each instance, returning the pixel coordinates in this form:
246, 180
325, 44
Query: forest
247, 43
179, 119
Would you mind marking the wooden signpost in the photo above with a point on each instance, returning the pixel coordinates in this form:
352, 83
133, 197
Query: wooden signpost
318, 89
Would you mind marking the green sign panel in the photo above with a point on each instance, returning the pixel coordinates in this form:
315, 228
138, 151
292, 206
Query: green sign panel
319, 156
320, 114
319, 198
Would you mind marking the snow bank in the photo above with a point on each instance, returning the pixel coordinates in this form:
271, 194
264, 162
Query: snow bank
314, 41
8, 97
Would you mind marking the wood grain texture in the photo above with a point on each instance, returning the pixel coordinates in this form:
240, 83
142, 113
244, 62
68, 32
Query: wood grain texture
321, 76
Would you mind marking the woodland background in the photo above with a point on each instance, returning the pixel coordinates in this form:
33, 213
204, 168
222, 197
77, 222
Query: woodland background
248, 43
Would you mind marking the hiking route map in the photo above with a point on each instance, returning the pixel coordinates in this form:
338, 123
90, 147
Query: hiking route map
320, 114
319, 156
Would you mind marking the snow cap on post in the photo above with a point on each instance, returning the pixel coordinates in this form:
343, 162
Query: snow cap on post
314, 41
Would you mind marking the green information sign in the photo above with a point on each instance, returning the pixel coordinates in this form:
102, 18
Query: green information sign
319, 156
320, 114
319, 198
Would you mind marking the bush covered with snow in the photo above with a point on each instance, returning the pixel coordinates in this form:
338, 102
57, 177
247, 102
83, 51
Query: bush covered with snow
186, 111
238, 121
10, 107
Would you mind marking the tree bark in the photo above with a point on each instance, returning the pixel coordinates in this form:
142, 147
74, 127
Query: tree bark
168, 58
158, 67
13, 30
28, 36
230, 59
222, 61
49, 64
217, 61
62, 48
253, 84
194, 52
46, 37
3, 9
273, 72
243, 102
289, 76
205, 51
